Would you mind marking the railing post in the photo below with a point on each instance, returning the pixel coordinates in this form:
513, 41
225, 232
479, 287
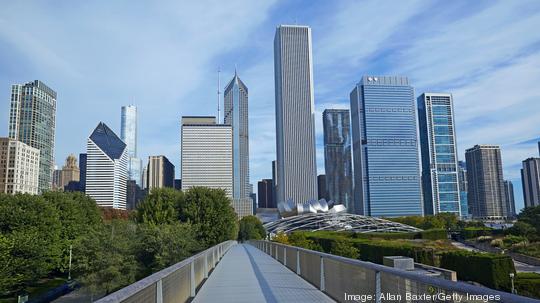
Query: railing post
192, 278
298, 272
277, 253
377, 287
159, 291
322, 287
213, 258
206, 266
285, 256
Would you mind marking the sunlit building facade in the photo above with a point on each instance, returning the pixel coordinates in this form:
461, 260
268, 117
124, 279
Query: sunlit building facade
19, 167
128, 134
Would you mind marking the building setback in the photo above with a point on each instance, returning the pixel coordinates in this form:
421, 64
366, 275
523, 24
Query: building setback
128, 134
106, 168
485, 180
160, 172
439, 153
385, 148
337, 156
32, 120
19, 167
295, 123
265, 193
530, 180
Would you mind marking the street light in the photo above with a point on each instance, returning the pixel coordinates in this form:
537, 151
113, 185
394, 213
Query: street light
512, 279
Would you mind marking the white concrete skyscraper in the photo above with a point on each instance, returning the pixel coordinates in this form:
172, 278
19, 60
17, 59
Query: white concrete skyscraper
236, 115
106, 168
295, 126
128, 134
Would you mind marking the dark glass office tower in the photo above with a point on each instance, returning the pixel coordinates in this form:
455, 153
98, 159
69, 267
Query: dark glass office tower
337, 156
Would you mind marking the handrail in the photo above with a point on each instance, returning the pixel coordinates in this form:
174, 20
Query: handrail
456, 286
132, 289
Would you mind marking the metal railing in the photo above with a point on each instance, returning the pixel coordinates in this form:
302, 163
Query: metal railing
351, 280
177, 283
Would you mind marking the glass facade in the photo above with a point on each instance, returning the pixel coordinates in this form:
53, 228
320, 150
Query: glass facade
439, 160
385, 148
462, 176
337, 156
32, 120
128, 134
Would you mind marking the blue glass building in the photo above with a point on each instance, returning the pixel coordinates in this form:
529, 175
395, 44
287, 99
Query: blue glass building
439, 154
385, 148
463, 188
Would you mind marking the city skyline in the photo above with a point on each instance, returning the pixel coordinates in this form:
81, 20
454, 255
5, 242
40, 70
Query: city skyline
472, 84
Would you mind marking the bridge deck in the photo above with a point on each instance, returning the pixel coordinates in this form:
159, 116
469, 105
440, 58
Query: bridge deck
246, 274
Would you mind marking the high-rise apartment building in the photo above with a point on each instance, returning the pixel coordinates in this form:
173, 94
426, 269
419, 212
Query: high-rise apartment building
265, 193
485, 182
19, 167
530, 180
509, 199
106, 168
295, 126
439, 153
462, 177
385, 148
160, 172
337, 156
32, 120
128, 134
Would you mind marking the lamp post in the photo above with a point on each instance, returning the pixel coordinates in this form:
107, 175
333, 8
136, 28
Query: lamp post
512, 280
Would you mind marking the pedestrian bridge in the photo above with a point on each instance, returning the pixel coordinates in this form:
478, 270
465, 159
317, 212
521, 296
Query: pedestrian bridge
262, 271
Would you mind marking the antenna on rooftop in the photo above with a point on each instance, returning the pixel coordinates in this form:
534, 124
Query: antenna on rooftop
218, 96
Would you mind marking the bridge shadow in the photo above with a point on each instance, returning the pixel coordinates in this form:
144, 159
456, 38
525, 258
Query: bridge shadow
265, 286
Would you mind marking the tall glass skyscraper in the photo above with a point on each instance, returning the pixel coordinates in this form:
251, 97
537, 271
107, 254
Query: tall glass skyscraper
385, 148
128, 134
295, 121
236, 115
439, 153
337, 156
32, 120
463, 188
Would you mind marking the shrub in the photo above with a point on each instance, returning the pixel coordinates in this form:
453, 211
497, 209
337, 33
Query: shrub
497, 242
487, 269
345, 249
475, 232
434, 234
528, 284
251, 228
282, 238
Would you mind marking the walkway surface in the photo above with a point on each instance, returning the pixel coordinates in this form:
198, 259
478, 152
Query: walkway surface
246, 274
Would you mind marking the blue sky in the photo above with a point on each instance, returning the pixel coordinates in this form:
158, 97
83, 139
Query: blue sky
163, 57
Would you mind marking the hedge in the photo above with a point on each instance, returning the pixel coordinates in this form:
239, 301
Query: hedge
490, 270
528, 284
475, 232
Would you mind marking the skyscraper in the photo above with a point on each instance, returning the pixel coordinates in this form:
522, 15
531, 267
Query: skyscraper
19, 167
439, 153
70, 172
265, 193
485, 180
128, 134
82, 168
462, 177
322, 192
236, 115
385, 148
160, 172
509, 198
530, 180
337, 156
32, 120
295, 126
106, 168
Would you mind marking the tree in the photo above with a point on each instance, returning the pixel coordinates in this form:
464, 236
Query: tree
345, 249
523, 229
282, 238
211, 214
251, 228
164, 245
531, 216
160, 206
30, 242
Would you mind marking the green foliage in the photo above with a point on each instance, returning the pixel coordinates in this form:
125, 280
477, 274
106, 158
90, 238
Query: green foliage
434, 234
521, 228
487, 269
299, 239
531, 216
211, 213
475, 232
251, 228
282, 238
532, 250
160, 206
162, 246
345, 249
30, 229
528, 284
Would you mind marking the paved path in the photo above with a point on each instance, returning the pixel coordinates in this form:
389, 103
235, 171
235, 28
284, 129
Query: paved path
246, 274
